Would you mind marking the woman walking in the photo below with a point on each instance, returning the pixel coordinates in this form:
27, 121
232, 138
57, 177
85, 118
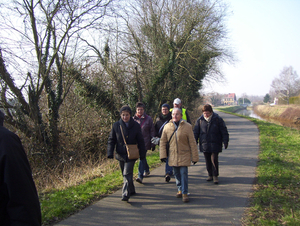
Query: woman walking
211, 132
126, 128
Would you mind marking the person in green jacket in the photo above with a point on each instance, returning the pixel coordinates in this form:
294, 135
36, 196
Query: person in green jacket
178, 104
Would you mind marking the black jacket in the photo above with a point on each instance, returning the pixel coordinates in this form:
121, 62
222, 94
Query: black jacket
161, 121
133, 135
19, 202
210, 136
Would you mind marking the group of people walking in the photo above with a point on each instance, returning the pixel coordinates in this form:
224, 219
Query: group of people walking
177, 142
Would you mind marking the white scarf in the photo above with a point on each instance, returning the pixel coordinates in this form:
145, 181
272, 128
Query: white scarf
209, 118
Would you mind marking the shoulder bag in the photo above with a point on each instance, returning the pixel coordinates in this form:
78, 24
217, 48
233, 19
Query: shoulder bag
132, 149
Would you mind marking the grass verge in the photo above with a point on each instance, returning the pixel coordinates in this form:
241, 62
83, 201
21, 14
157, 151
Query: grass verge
275, 199
59, 204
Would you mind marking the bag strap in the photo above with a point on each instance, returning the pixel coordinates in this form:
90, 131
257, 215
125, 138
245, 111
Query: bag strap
144, 121
172, 134
162, 126
123, 135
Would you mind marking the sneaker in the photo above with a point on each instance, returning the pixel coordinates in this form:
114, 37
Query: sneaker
146, 174
139, 180
209, 178
185, 198
179, 194
125, 199
168, 178
216, 181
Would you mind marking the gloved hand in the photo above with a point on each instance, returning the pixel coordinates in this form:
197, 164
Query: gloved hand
164, 160
110, 157
225, 145
194, 163
155, 140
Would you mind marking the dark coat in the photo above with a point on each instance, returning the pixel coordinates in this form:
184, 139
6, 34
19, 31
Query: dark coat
147, 129
133, 135
19, 202
210, 136
161, 121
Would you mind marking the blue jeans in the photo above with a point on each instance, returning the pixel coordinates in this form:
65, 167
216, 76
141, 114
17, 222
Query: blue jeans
181, 176
169, 169
143, 167
127, 172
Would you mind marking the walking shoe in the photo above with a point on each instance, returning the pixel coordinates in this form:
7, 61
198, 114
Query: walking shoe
168, 178
139, 180
146, 174
179, 194
185, 198
209, 178
216, 181
133, 193
125, 199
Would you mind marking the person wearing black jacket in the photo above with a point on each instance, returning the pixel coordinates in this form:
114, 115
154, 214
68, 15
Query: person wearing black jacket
133, 135
161, 121
19, 201
211, 132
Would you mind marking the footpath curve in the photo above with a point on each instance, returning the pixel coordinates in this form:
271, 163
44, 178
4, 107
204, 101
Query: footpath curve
155, 202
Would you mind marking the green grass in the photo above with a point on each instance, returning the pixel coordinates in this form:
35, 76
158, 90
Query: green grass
275, 200
57, 205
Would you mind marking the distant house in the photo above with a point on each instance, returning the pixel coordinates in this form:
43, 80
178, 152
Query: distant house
229, 99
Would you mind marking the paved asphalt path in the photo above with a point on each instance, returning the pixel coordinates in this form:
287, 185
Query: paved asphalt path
155, 202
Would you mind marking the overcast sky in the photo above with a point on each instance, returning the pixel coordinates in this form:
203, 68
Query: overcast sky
265, 35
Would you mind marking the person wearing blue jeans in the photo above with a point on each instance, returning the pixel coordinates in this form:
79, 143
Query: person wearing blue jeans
160, 122
182, 150
147, 128
181, 176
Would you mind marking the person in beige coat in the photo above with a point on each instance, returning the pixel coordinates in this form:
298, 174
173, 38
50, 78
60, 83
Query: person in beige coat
181, 152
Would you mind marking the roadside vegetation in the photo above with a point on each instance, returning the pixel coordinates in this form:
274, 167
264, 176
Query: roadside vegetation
275, 198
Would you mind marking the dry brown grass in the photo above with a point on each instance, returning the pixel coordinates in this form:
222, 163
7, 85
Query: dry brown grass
282, 112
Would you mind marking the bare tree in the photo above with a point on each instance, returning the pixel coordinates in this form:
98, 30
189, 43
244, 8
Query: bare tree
41, 47
286, 85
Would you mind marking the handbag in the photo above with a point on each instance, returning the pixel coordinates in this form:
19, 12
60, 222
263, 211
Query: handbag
132, 149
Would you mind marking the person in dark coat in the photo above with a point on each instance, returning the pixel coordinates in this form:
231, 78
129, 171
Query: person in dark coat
211, 132
19, 201
133, 135
146, 123
161, 121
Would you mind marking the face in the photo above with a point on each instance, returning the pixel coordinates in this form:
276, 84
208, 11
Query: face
207, 114
176, 115
165, 110
177, 105
140, 111
125, 116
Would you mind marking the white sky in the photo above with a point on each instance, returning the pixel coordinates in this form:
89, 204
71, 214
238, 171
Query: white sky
265, 35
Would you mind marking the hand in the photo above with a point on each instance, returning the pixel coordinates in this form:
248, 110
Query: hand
164, 160
194, 163
110, 156
225, 145
155, 140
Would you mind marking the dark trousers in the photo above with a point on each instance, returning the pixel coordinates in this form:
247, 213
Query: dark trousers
212, 163
127, 172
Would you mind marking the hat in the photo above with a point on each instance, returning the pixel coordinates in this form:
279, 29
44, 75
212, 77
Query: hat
166, 105
177, 101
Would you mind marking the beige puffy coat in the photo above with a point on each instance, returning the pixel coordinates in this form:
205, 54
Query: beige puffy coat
183, 147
